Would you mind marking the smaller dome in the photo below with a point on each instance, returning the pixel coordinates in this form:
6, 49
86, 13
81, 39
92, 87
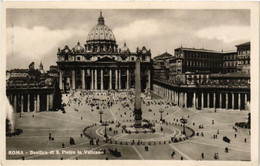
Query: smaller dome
78, 48
125, 49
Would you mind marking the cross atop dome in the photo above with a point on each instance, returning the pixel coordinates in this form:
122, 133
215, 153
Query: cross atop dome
101, 20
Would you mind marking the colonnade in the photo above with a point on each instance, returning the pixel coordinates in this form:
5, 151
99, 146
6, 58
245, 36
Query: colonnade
31, 102
204, 99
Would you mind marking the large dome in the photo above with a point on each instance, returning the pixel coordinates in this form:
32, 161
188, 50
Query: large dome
101, 31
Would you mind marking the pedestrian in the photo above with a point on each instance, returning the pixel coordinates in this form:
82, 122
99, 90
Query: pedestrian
63, 145
202, 155
181, 158
226, 149
235, 135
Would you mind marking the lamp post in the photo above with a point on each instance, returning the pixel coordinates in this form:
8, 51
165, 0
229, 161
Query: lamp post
161, 111
183, 121
100, 113
105, 135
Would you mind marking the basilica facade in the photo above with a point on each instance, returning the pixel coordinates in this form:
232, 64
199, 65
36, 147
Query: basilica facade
100, 64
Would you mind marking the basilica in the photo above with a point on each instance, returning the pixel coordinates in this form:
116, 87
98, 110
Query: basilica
100, 64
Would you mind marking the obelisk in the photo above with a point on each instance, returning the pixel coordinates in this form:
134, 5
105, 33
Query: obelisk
137, 110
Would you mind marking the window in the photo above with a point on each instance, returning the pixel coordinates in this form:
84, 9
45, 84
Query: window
132, 58
78, 58
66, 57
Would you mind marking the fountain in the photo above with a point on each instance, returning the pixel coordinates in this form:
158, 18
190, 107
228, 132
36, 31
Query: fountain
10, 120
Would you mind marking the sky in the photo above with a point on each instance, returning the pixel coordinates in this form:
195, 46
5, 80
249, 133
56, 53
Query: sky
35, 35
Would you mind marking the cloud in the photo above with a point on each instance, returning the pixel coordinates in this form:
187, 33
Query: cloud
226, 33
35, 44
138, 29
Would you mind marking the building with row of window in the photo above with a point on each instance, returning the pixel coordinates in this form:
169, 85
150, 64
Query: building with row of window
206, 76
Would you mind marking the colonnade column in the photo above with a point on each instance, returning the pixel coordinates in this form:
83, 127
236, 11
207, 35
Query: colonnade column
110, 79
15, 103
127, 79
35, 103
119, 77
239, 101
245, 100
38, 102
214, 100
73, 79
233, 101
220, 100
83, 79
226, 100
194, 100
116, 84
102, 83
28, 103
61, 83
96, 79
22, 110
92, 80
202, 100
208, 98
48, 102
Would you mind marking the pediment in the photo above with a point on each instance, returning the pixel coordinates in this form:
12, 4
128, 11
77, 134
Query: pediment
106, 59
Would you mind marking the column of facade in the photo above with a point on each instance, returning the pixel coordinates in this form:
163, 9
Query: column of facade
92, 79
119, 78
15, 103
116, 85
127, 79
226, 100
51, 101
96, 87
28, 103
202, 100
194, 100
233, 101
110, 79
38, 102
22, 110
176, 97
185, 99
149, 80
208, 99
61, 83
181, 99
239, 101
48, 102
102, 79
83, 79
73, 79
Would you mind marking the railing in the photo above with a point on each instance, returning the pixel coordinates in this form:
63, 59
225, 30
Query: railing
206, 85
